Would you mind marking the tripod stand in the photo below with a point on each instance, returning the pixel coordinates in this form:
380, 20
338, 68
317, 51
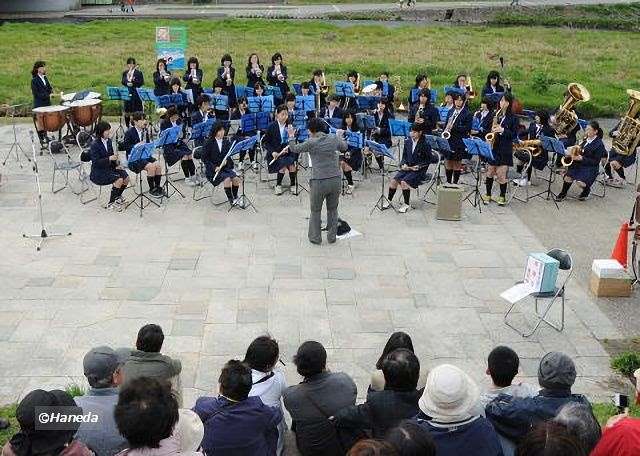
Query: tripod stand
140, 197
298, 186
548, 194
475, 193
243, 201
43, 235
383, 198
15, 145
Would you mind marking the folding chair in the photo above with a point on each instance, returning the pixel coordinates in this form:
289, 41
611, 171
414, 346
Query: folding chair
601, 179
566, 265
63, 167
433, 180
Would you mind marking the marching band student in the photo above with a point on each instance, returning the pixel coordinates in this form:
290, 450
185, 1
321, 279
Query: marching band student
276, 138
382, 132
352, 158
236, 114
179, 151
135, 135
255, 70
315, 85
290, 103
175, 89
193, 77
447, 102
416, 158
539, 127
41, 90
332, 110
277, 76
105, 166
348, 103
304, 89
422, 82
227, 73
484, 118
492, 85
584, 168
161, 78
132, 78
215, 150
391, 90
218, 88
423, 113
618, 162
458, 124
461, 83
200, 115
505, 132
258, 89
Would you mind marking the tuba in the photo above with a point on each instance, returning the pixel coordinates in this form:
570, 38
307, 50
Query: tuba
534, 146
572, 152
566, 118
629, 128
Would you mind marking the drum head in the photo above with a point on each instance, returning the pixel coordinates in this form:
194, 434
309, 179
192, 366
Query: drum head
55, 108
85, 102
370, 88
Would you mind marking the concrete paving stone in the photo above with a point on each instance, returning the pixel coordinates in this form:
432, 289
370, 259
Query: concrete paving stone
191, 310
187, 328
338, 292
593, 366
252, 315
375, 320
477, 259
452, 321
230, 339
341, 274
30, 330
107, 260
386, 303
40, 281
137, 309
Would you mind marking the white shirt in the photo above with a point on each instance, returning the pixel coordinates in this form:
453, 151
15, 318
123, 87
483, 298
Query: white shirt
205, 115
219, 141
140, 134
270, 391
589, 141
413, 145
105, 143
283, 130
42, 77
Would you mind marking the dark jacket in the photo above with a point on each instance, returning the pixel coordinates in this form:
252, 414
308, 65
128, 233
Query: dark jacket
274, 81
41, 91
488, 90
421, 156
131, 138
197, 117
195, 87
485, 123
472, 437
429, 114
503, 144
273, 141
161, 86
337, 113
592, 153
134, 104
384, 137
534, 133
330, 392
101, 166
213, 156
245, 428
252, 79
460, 129
382, 411
514, 417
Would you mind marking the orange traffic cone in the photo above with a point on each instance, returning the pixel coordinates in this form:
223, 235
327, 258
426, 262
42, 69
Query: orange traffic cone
622, 245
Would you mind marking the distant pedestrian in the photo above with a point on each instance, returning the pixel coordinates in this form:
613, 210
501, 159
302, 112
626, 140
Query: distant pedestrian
127, 6
515, 3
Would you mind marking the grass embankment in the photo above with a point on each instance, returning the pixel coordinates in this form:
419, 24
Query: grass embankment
540, 61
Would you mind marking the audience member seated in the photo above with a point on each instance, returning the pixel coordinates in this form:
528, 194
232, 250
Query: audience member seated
502, 365
449, 407
147, 361
268, 382
397, 340
319, 396
102, 368
621, 437
550, 439
234, 423
385, 409
580, 422
31, 440
513, 417
370, 447
147, 416
411, 439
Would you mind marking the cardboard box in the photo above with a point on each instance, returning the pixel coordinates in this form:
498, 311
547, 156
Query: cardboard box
610, 288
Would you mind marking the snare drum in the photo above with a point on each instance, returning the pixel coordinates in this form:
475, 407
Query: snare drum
52, 118
85, 112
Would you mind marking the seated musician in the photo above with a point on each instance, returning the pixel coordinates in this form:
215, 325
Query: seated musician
458, 124
105, 166
618, 162
484, 118
315, 84
447, 102
134, 136
492, 85
176, 89
290, 103
346, 102
202, 113
258, 90
236, 114
539, 127
276, 138
178, 152
585, 167
352, 158
218, 89
422, 82
161, 78
462, 83
416, 158
215, 150
332, 110
505, 131
382, 131
423, 113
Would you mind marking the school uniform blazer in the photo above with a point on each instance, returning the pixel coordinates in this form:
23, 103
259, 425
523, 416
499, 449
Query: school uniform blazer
460, 128
273, 80
323, 96
100, 163
391, 94
212, 156
338, 113
384, 137
252, 79
488, 90
533, 133
272, 140
197, 117
503, 144
420, 156
220, 72
430, 115
131, 138
134, 103
592, 153
486, 123
161, 87
41, 91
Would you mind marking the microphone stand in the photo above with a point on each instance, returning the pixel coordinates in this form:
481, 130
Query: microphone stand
15, 145
43, 235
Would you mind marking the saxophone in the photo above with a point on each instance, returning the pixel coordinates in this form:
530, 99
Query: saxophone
491, 136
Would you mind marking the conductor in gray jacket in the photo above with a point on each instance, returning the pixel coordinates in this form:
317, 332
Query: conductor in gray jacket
325, 176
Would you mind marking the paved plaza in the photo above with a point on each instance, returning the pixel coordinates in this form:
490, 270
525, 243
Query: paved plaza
214, 280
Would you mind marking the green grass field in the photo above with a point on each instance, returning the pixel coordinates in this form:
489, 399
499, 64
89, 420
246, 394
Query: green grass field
540, 60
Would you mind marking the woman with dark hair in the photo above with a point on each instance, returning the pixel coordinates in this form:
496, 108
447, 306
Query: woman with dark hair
175, 88
277, 76
423, 113
227, 73
105, 166
422, 83
214, 152
193, 76
482, 119
550, 439
492, 85
254, 70
458, 125
258, 89
504, 130
41, 90
411, 439
382, 131
219, 87
397, 340
371, 447
539, 127
585, 166
132, 78
352, 158
350, 103
178, 152
161, 78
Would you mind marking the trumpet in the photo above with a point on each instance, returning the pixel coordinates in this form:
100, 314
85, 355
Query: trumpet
165, 75
472, 93
324, 88
356, 86
130, 73
570, 156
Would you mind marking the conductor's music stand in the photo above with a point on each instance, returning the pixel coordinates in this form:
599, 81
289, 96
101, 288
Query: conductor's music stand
557, 148
15, 145
141, 152
168, 137
382, 151
481, 149
243, 201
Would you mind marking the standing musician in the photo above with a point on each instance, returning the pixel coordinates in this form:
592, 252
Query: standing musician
255, 71
586, 165
618, 162
391, 90
105, 166
492, 85
416, 158
317, 86
484, 118
332, 110
424, 114
382, 131
236, 114
215, 150
539, 127
348, 103
276, 138
277, 76
505, 129
41, 90
352, 158
193, 77
161, 78
422, 82
132, 78
179, 151
227, 73
458, 125
138, 134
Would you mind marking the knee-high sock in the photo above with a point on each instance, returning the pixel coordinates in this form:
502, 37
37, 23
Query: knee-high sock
456, 176
406, 193
279, 178
185, 167
349, 176
292, 177
529, 172
152, 182
229, 193
620, 172
192, 167
157, 178
114, 194
392, 192
449, 174
503, 189
488, 183
380, 161
234, 191
607, 170
565, 188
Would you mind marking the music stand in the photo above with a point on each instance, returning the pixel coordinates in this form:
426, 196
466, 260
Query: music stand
399, 128
382, 151
441, 146
344, 89
119, 94
495, 97
453, 89
297, 88
260, 104
274, 91
141, 152
443, 111
243, 201
262, 120
15, 145
149, 100
201, 130
305, 103
480, 148
366, 103
220, 102
557, 148
168, 137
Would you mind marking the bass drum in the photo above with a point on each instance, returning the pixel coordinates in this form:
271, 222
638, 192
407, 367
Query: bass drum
52, 118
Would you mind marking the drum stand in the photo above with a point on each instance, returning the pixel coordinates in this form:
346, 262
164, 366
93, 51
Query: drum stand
15, 146
44, 235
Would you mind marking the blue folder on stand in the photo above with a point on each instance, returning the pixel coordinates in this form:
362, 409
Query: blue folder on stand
399, 127
552, 145
297, 88
334, 122
305, 103
141, 152
220, 102
146, 94
274, 91
344, 89
118, 93
260, 104
453, 89
243, 91
477, 146
444, 112
245, 144
202, 130
365, 121
169, 136
367, 103
438, 143
379, 149
177, 99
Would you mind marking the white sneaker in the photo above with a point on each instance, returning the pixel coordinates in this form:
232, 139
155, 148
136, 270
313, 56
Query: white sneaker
278, 190
114, 207
254, 165
121, 200
350, 189
190, 181
522, 182
617, 182
404, 208
386, 204
293, 190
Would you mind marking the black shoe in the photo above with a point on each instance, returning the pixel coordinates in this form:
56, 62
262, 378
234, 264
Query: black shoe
583, 196
560, 197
